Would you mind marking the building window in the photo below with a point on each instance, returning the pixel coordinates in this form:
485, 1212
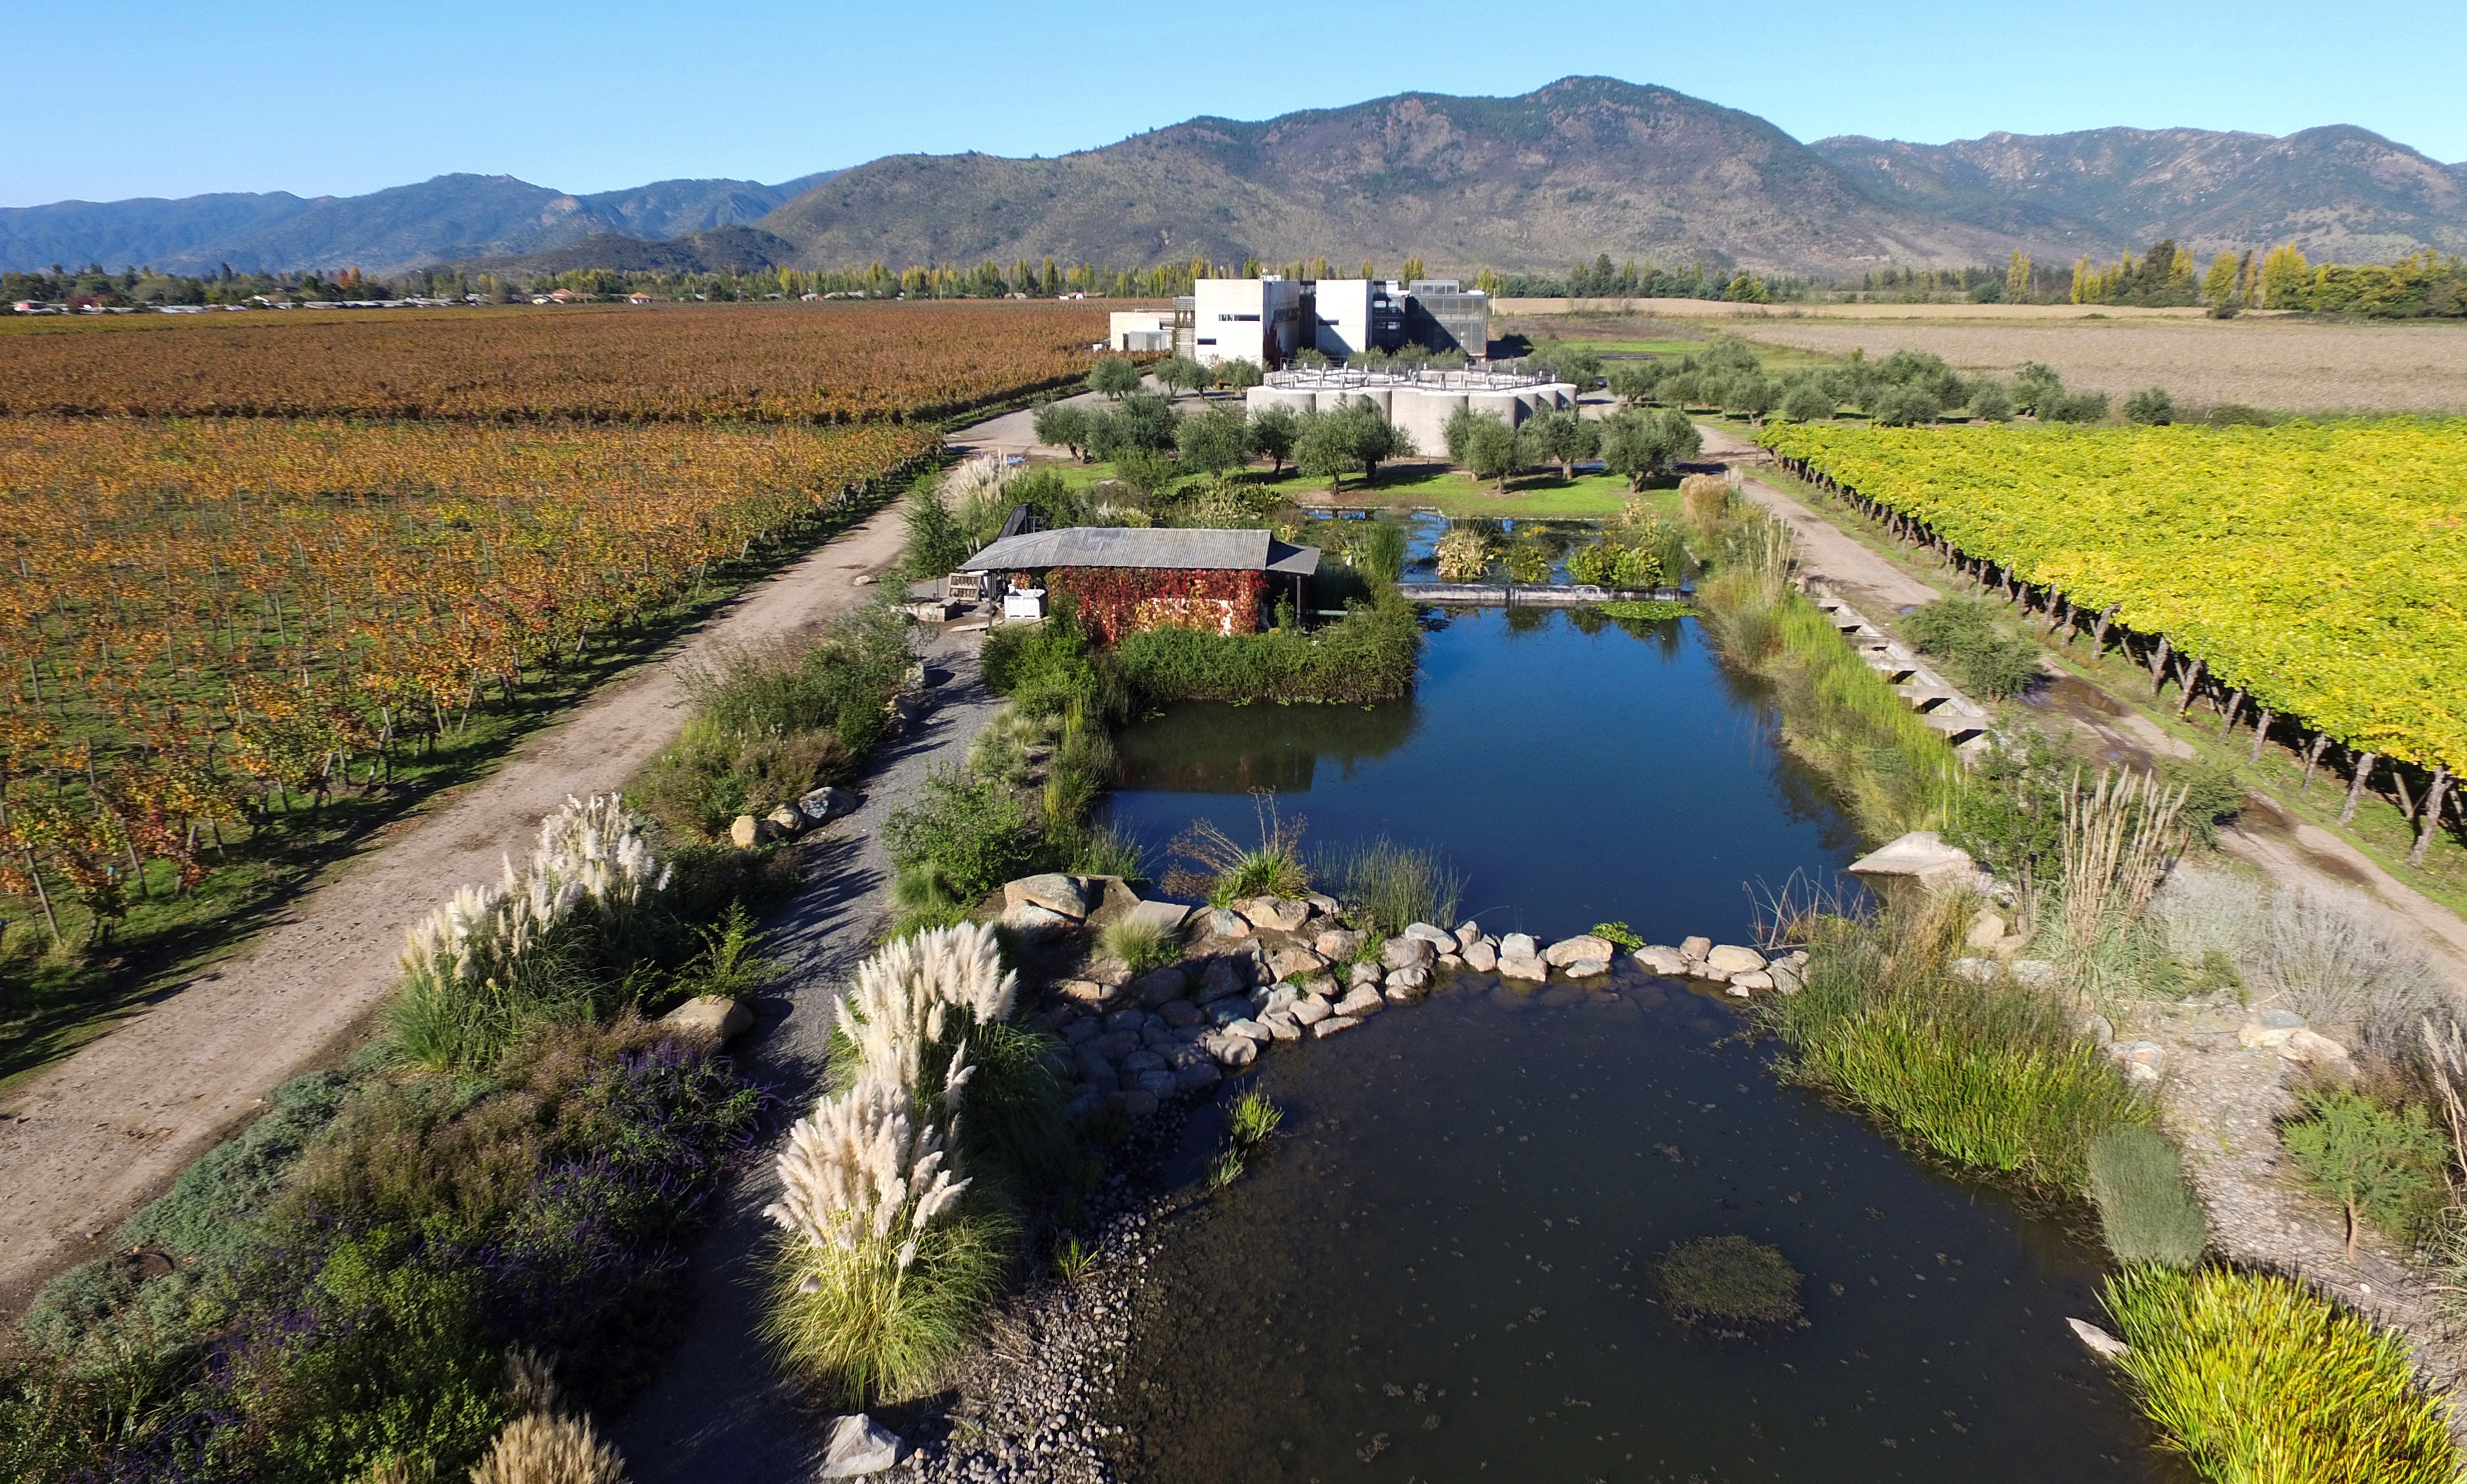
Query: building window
1248, 318
1208, 340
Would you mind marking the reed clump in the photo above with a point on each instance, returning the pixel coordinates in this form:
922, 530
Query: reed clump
1894, 772
1224, 870
1726, 1280
2253, 1378
1387, 886
1988, 1073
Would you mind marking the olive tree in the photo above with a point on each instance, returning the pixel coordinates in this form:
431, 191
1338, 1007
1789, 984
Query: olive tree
1271, 434
1645, 445
1114, 377
1063, 425
1561, 437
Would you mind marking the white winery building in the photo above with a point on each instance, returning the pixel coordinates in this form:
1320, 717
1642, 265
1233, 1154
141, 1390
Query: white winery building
1268, 320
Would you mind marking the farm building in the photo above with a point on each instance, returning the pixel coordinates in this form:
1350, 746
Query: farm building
1123, 579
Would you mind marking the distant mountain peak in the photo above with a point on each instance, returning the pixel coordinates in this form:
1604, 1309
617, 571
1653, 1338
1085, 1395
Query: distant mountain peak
1581, 165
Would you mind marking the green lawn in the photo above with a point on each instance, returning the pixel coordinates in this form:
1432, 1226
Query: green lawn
1532, 496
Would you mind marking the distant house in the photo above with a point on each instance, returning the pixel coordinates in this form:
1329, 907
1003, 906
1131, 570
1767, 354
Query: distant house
30, 306
638, 297
565, 296
1121, 581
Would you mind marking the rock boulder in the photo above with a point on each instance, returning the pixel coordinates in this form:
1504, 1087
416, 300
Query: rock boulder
1052, 891
1158, 985
1655, 958
1920, 859
825, 804
1584, 948
857, 1446
1481, 957
1036, 924
1336, 945
714, 1016
1408, 952
1293, 963
1731, 958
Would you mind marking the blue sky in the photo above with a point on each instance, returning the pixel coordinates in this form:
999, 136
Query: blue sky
262, 95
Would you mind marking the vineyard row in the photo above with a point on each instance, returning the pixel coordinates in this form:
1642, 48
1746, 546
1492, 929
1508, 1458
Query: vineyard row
204, 624
2236, 686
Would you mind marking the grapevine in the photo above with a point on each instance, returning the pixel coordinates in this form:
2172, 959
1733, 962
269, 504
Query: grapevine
2321, 568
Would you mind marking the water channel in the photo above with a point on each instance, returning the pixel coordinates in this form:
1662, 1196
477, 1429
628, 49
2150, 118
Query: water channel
1440, 1274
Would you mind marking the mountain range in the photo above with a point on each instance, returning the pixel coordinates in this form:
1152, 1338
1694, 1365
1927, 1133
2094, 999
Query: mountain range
1581, 167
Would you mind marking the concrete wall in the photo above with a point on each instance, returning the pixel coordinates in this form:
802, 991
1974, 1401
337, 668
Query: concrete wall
1345, 316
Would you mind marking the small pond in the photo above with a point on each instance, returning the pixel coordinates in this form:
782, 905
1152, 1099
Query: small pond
1441, 1270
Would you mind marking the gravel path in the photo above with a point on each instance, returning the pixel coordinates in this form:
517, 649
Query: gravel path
719, 1411
87, 1140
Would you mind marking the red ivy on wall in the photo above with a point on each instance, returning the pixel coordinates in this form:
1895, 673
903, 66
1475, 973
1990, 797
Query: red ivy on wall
1113, 601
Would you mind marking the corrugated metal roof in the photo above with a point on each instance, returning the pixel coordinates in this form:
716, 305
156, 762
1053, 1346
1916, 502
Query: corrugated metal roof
1167, 548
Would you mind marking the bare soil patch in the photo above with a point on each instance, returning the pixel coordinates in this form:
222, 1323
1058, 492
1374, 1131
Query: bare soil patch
2284, 364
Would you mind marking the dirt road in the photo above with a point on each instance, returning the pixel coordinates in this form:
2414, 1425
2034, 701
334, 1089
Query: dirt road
87, 1140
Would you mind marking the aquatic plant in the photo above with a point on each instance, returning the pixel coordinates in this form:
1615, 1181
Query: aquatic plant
1251, 1119
1378, 549
2255, 1380
1619, 935
1464, 554
1894, 771
1391, 886
1728, 1279
1224, 1169
1109, 851
2146, 1212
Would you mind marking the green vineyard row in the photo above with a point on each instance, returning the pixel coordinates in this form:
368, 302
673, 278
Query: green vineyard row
2320, 567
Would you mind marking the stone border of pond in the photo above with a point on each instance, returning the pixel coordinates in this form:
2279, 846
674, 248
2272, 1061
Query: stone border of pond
1267, 970
1538, 594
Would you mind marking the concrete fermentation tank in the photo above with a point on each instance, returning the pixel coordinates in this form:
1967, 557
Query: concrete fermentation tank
1337, 398
1424, 413
1506, 406
1293, 399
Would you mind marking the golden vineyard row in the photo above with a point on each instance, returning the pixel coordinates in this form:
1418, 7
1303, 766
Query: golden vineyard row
758, 363
2320, 567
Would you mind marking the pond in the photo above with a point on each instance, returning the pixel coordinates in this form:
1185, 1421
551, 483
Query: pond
1442, 1269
